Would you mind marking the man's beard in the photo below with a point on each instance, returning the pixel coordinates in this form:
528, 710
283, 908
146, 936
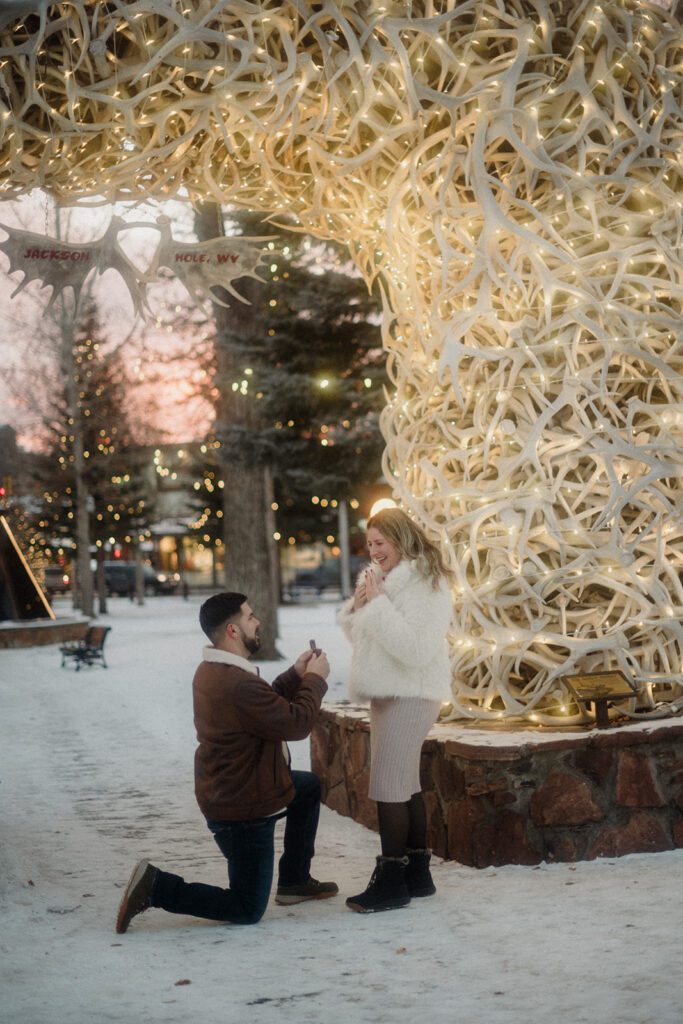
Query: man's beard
252, 643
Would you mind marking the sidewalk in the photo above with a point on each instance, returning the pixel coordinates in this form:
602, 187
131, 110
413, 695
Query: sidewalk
96, 771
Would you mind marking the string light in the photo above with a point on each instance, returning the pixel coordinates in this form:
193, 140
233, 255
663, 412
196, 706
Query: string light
488, 339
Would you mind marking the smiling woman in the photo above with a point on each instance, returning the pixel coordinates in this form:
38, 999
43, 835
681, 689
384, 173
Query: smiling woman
397, 622
382, 552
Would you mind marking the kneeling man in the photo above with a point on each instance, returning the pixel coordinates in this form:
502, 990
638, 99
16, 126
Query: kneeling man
243, 781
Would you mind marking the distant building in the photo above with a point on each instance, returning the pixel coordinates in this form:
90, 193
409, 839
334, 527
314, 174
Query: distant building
9, 456
172, 471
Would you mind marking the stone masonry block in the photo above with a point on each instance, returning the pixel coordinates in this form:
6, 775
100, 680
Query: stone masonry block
320, 761
490, 785
462, 819
567, 845
564, 799
643, 833
358, 751
636, 786
364, 809
437, 834
677, 833
337, 799
504, 840
449, 778
595, 764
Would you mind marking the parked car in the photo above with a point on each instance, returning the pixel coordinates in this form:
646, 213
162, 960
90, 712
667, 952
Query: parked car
119, 578
326, 576
57, 580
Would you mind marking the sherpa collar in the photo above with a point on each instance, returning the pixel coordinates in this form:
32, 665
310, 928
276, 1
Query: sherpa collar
228, 658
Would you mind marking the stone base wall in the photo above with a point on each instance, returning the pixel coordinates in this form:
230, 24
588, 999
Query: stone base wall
552, 797
40, 634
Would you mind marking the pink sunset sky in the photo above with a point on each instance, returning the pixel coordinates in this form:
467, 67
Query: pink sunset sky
165, 408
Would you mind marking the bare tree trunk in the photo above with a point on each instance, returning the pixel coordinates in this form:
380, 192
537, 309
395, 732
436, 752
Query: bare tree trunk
139, 577
248, 563
345, 548
101, 584
84, 576
250, 553
85, 592
270, 534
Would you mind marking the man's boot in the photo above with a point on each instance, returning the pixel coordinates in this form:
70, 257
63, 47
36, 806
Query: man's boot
137, 896
309, 890
418, 876
387, 889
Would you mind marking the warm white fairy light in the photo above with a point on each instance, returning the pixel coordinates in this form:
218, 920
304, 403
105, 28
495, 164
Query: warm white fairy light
523, 212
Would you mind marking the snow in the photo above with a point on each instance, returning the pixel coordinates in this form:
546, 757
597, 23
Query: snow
497, 735
96, 771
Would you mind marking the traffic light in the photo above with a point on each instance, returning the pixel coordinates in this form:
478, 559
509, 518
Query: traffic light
6, 489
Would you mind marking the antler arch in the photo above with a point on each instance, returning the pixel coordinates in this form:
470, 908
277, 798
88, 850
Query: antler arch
510, 171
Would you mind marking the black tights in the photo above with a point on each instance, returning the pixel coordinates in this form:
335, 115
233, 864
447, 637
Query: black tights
402, 826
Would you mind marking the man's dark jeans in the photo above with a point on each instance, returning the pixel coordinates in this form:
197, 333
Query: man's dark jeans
249, 849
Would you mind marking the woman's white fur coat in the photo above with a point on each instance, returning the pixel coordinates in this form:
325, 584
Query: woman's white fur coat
399, 638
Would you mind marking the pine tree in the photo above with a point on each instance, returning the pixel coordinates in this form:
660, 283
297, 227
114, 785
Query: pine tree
321, 371
304, 383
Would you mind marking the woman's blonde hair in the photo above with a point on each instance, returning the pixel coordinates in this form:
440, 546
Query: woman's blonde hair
411, 542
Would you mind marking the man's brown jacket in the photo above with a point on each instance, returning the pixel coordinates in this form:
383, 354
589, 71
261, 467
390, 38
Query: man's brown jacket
241, 721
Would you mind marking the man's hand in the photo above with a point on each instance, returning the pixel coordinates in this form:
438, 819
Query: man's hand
312, 661
319, 664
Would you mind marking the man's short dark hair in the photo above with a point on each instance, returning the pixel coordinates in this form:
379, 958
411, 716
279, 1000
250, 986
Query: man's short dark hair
218, 610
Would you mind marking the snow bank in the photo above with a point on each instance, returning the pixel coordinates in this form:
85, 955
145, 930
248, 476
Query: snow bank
96, 771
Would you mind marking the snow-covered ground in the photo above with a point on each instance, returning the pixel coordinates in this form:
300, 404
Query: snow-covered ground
96, 771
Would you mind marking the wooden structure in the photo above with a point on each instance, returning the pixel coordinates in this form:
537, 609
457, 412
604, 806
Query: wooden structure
21, 596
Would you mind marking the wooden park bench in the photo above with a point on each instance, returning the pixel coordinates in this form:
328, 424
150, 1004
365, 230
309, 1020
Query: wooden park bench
87, 651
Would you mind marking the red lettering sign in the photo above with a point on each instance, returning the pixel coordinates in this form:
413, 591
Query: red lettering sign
57, 254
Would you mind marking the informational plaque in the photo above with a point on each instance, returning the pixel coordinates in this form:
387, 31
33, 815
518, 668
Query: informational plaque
601, 689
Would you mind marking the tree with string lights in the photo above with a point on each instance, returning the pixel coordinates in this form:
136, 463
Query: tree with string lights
319, 367
207, 502
88, 474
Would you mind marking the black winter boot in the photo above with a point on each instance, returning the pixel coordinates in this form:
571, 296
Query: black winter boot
387, 889
418, 876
